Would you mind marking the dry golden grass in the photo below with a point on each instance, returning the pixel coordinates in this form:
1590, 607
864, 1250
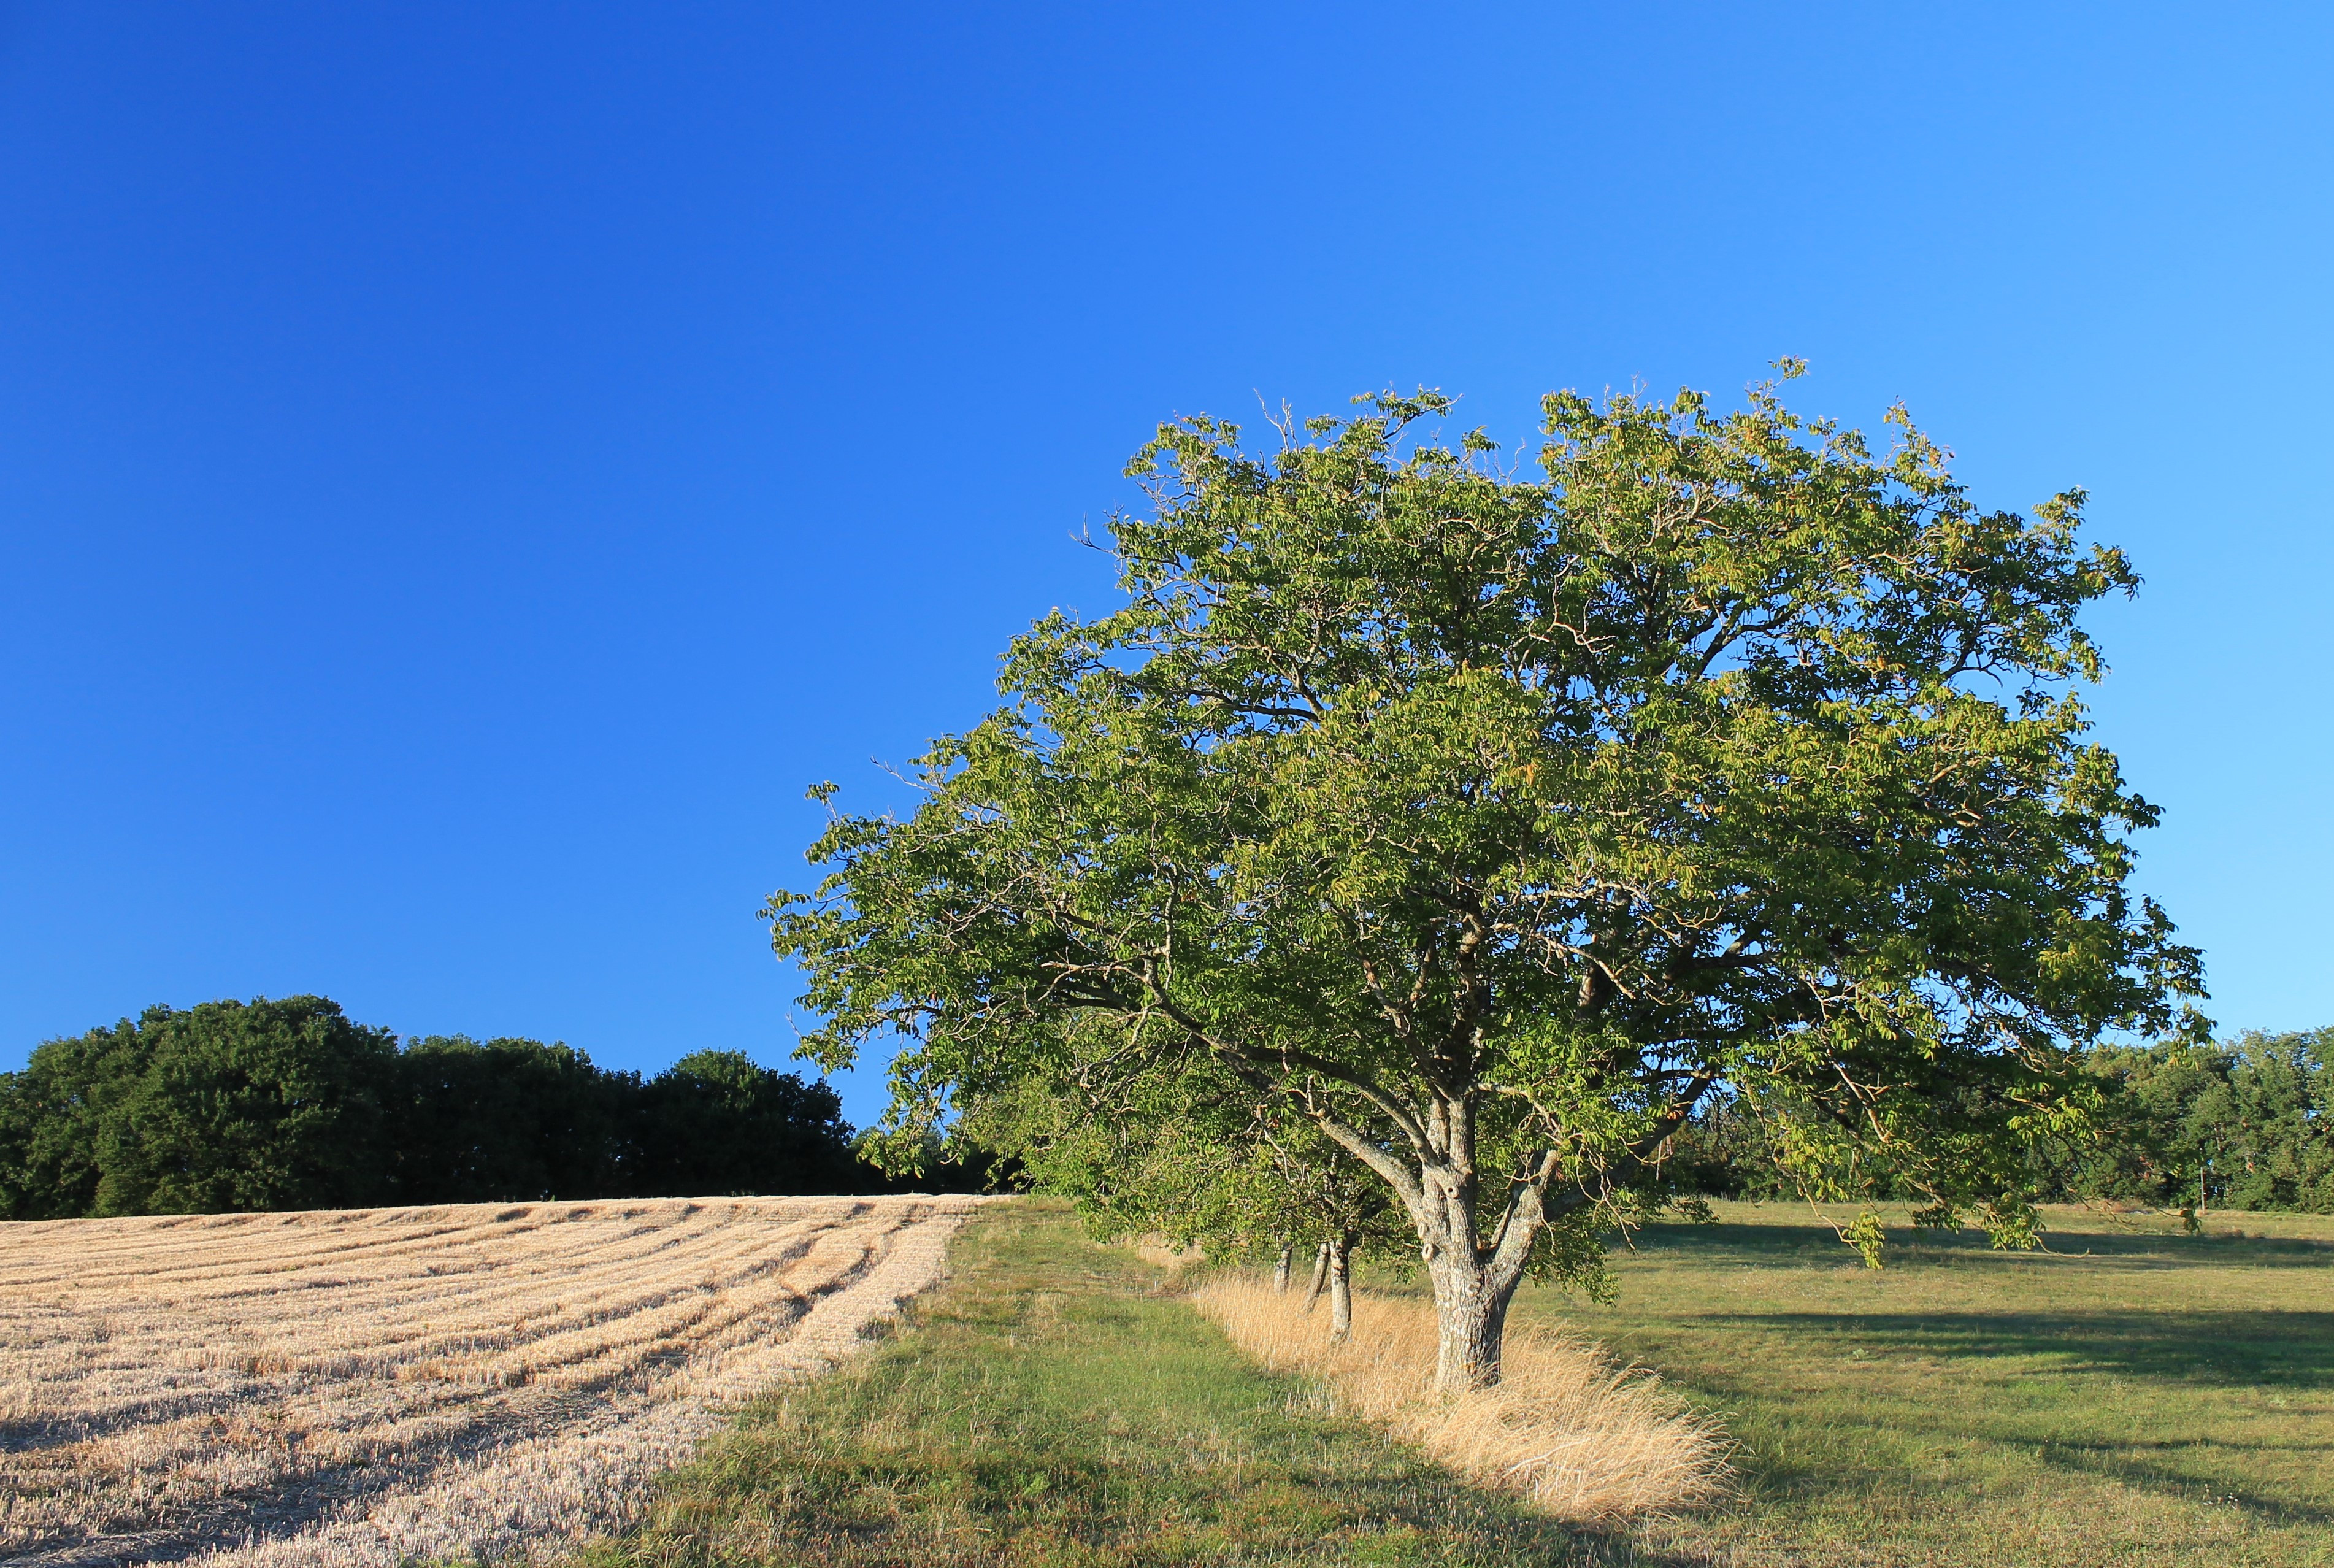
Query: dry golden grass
392, 1385
1579, 1435
1160, 1254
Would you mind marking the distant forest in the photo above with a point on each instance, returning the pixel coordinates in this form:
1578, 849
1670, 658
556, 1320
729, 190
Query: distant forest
2241, 1125
290, 1105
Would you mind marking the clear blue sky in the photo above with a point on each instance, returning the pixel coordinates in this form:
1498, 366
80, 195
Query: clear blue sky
464, 469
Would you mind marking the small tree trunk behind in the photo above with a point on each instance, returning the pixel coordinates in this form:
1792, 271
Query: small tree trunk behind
1341, 1288
1280, 1269
1320, 1276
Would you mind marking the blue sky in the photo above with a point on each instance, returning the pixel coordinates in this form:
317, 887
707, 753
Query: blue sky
464, 469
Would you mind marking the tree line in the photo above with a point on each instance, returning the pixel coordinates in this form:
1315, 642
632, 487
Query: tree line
289, 1104
2247, 1124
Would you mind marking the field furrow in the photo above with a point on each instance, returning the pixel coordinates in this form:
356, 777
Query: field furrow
378, 1386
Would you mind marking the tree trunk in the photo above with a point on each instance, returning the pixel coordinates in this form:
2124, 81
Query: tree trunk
1320, 1276
1280, 1269
1473, 1283
1341, 1288
1471, 1308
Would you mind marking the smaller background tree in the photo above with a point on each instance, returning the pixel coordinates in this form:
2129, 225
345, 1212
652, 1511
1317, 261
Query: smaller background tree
1181, 1151
259, 1105
716, 1123
509, 1120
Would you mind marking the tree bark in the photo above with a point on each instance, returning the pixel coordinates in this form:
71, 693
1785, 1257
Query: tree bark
1320, 1276
1471, 1309
1475, 1281
1280, 1269
1475, 1276
1341, 1288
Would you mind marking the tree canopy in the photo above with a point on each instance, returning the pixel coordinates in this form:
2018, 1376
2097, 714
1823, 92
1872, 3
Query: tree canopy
2249, 1123
1182, 1149
1493, 821
225, 1106
481, 1121
287, 1104
716, 1122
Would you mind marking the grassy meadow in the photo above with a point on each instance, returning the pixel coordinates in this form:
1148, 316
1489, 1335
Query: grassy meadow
1058, 1405
2133, 1396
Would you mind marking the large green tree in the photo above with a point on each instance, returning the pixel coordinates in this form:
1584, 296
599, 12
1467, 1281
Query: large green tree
59, 1123
715, 1122
509, 1120
258, 1105
1494, 820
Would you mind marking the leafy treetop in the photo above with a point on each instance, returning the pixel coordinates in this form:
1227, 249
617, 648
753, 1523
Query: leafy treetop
1493, 822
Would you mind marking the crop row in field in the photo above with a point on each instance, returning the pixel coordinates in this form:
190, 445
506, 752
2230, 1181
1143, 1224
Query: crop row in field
372, 1386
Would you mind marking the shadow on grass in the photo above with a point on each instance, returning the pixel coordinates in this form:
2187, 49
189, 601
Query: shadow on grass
1760, 1244
2151, 1468
2229, 1349
2157, 1355
2138, 1466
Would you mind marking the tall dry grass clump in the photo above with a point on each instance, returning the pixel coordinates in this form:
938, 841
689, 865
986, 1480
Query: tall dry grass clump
1567, 1428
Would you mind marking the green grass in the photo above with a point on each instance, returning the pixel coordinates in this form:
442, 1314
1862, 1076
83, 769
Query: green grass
1052, 1406
2134, 1395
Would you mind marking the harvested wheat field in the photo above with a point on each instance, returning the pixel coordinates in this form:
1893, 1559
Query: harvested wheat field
382, 1386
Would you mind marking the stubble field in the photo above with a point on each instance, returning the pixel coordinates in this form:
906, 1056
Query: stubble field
393, 1385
